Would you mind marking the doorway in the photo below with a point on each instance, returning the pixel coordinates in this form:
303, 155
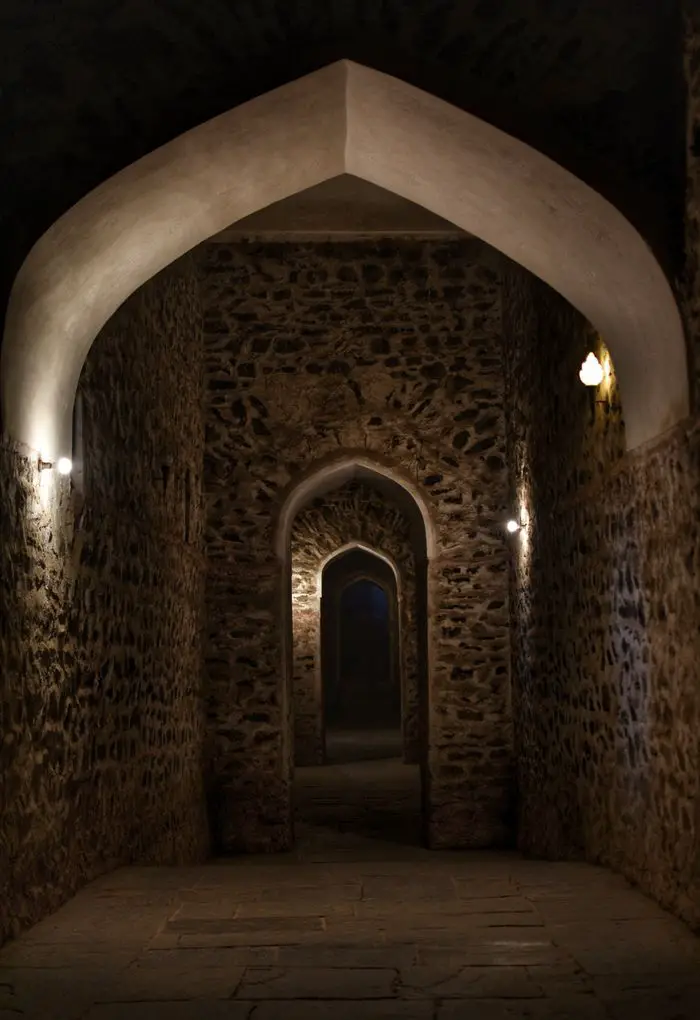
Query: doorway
365, 795
360, 660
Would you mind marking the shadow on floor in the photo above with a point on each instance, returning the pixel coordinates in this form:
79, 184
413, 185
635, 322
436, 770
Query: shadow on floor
363, 745
364, 803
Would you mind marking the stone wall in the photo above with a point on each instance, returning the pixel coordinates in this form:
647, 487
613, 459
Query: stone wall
391, 349
691, 282
100, 619
353, 513
605, 614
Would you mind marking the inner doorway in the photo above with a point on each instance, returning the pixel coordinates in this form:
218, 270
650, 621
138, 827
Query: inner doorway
360, 661
364, 796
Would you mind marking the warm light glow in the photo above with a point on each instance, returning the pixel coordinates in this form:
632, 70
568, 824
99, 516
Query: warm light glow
45, 490
512, 527
64, 466
591, 373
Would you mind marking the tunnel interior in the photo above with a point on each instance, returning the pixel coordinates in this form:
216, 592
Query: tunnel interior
364, 620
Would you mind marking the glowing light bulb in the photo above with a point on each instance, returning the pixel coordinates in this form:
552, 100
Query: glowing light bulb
592, 372
64, 465
512, 527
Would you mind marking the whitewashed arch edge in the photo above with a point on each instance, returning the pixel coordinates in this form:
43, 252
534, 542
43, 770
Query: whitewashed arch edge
345, 118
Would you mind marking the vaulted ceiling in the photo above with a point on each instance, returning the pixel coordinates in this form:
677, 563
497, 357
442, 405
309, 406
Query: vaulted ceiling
87, 88
343, 207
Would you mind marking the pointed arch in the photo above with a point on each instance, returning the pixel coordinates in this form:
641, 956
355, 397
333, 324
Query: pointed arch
302, 680
362, 547
344, 118
349, 465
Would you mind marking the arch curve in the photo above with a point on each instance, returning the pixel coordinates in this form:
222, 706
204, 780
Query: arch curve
345, 118
364, 547
346, 467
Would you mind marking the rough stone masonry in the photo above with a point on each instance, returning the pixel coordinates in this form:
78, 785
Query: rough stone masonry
392, 349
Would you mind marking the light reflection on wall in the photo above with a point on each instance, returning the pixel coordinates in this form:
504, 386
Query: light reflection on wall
524, 536
606, 391
46, 489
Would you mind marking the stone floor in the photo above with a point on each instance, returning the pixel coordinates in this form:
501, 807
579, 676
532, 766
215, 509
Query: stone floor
365, 801
359, 923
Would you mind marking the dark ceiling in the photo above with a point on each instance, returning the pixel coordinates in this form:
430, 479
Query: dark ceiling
88, 86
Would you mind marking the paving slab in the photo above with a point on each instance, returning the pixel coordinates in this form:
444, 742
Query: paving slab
169, 1010
471, 982
311, 1009
330, 983
566, 1008
180, 974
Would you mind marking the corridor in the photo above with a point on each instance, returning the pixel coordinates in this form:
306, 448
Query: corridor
365, 802
359, 923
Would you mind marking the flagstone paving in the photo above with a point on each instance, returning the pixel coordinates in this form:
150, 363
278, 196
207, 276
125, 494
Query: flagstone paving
352, 926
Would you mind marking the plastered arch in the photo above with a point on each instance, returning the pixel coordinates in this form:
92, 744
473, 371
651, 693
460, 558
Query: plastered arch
344, 468
345, 118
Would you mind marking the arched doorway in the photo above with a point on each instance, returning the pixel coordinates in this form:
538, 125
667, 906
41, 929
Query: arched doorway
361, 658
364, 795
381, 130
345, 118
357, 509
363, 523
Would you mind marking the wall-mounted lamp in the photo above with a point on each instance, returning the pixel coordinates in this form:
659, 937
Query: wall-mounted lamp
516, 524
64, 465
592, 372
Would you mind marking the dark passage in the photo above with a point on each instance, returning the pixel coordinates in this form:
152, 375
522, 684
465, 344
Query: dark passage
362, 690
365, 798
363, 807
